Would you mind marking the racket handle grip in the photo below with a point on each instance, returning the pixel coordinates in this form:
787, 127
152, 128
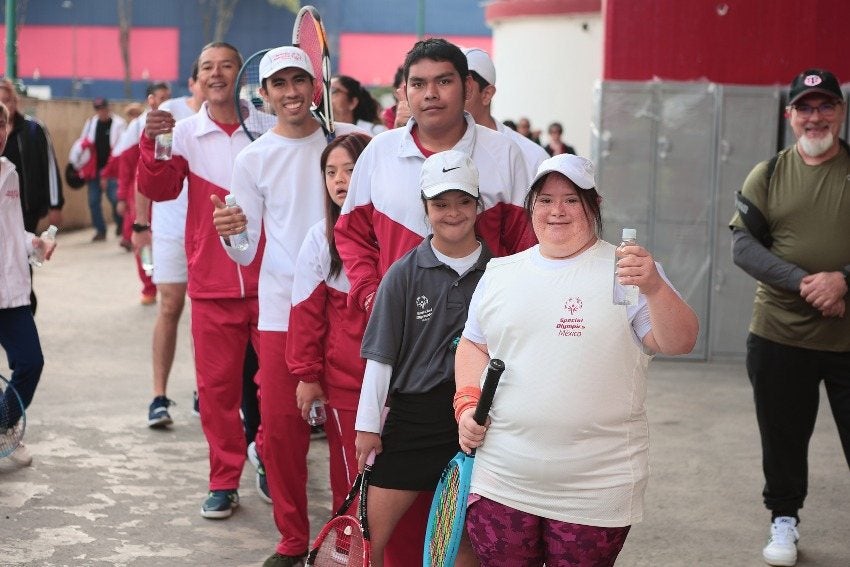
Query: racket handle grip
494, 373
370, 460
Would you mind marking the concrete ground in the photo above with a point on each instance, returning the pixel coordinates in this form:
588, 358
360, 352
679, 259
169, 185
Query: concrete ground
106, 490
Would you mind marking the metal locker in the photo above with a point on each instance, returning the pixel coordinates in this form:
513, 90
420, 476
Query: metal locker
747, 134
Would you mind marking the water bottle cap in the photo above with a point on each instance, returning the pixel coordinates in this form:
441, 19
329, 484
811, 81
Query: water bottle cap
52, 230
230, 200
629, 234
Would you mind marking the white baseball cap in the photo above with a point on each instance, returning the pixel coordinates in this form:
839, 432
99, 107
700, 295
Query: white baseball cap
577, 169
479, 61
282, 57
448, 171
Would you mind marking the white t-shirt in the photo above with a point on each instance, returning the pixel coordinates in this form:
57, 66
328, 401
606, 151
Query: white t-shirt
568, 438
279, 185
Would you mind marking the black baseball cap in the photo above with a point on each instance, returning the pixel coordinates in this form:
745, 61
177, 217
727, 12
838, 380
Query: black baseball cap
814, 81
100, 102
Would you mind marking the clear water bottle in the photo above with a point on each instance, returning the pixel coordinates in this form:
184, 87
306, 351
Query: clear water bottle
162, 146
237, 241
625, 294
146, 256
49, 235
317, 415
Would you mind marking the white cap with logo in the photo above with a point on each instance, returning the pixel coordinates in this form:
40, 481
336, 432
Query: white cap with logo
448, 171
281, 58
479, 61
577, 169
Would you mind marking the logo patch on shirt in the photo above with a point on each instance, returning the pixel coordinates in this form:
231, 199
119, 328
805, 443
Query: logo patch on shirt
13, 193
572, 325
423, 311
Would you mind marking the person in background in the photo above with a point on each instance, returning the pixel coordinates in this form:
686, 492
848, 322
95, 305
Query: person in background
133, 111
397, 114
122, 164
791, 233
556, 146
18, 333
523, 126
90, 155
409, 347
560, 476
353, 104
30, 148
325, 332
510, 124
481, 94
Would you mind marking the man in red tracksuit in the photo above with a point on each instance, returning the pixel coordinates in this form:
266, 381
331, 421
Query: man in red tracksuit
224, 294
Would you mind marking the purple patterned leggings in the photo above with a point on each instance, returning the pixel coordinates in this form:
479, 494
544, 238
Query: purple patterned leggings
504, 536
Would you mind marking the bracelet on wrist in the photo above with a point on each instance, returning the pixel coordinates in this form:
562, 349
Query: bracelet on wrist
137, 227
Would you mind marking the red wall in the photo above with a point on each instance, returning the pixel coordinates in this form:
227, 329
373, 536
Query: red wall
94, 52
373, 59
753, 42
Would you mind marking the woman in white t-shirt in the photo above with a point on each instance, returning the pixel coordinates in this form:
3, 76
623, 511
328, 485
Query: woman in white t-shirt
560, 477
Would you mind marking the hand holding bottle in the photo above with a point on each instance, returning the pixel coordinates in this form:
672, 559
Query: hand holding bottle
43, 246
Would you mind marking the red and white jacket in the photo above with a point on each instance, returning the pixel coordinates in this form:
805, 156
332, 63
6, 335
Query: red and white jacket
383, 217
204, 154
325, 333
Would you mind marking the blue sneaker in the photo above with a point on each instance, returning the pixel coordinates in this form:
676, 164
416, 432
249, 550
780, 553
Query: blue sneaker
220, 504
158, 417
262, 480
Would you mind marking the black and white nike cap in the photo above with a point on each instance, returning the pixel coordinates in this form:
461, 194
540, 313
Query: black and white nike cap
448, 171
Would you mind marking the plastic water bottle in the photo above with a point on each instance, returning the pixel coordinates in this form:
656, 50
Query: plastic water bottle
625, 294
49, 235
146, 256
317, 415
237, 241
162, 146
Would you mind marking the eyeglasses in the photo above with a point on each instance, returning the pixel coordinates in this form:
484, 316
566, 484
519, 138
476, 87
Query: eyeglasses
826, 109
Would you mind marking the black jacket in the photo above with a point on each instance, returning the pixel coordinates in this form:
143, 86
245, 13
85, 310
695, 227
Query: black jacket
38, 170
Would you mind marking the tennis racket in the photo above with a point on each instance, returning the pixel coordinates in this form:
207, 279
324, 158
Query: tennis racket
345, 539
256, 115
448, 508
308, 33
13, 419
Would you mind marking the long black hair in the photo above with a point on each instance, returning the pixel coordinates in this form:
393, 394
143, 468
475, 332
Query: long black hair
353, 144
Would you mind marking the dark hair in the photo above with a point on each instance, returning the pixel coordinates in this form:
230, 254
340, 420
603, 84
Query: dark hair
215, 44
510, 124
367, 108
437, 49
398, 78
194, 74
556, 125
157, 86
482, 82
353, 144
589, 200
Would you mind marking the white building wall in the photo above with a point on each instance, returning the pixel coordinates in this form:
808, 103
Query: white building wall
545, 70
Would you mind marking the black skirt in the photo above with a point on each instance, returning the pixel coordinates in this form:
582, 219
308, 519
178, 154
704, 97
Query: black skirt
419, 438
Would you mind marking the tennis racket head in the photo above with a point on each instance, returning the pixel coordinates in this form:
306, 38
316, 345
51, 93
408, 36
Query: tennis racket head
308, 33
446, 518
256, 115
13, 418
341, 542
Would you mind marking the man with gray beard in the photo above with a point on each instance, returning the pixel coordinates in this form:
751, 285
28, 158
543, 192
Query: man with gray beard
791, 233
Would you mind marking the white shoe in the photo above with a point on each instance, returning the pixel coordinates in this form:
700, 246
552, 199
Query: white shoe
21, 456
781, 548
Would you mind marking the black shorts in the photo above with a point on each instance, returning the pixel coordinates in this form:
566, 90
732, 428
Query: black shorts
419, 439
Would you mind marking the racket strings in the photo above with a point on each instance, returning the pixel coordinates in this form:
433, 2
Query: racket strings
311, 40
255, 113
12, 420
343, 544
445, 518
